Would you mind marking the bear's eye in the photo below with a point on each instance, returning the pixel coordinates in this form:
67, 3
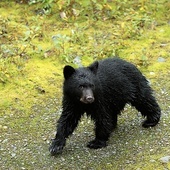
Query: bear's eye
81, 87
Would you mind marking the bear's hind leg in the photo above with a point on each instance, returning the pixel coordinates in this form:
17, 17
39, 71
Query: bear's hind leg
114, 120
150, 109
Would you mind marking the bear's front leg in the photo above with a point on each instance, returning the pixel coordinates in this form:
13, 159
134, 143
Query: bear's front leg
66, 125
102, 131
59, 142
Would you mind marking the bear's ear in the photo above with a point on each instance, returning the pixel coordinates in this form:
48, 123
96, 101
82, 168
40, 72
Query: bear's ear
68, 71
94, 67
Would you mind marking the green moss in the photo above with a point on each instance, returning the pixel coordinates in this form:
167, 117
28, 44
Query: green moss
34, 85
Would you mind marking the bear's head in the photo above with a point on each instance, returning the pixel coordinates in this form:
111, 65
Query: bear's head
80, 84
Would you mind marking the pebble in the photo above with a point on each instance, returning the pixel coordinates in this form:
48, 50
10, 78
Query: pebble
152, 73
13, 155
165, 159
152, 160
161, 59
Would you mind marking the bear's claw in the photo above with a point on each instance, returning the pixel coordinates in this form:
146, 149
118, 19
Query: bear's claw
56, 147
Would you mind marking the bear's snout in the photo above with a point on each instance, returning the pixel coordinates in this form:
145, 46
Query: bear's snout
87, 96
90, 99
87, 99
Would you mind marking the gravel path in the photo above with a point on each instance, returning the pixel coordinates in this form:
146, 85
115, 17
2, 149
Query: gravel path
25, 139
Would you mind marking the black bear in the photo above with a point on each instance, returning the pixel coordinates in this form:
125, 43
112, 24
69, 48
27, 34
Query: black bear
102, 90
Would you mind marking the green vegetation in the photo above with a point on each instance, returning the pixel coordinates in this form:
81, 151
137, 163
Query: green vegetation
38, 37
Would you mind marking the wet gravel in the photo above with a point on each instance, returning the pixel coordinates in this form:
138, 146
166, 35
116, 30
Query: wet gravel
25, 138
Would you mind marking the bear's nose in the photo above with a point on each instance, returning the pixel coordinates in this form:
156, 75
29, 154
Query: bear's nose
90, 99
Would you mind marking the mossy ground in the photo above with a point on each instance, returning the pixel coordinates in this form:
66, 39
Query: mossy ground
31, 88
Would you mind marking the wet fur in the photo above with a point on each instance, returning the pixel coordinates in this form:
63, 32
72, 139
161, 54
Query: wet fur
114, 83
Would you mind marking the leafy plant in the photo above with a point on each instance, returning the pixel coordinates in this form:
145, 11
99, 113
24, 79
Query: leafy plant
31, 33
46, 5
60, 43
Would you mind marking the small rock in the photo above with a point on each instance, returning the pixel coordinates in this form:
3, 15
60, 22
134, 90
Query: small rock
5, 127
5, 140
165, 159
151, 150
77, 61
152, 160
163, 45
13, 155
152, 73
161, 59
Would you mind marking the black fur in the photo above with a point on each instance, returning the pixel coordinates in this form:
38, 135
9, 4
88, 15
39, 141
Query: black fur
102, 90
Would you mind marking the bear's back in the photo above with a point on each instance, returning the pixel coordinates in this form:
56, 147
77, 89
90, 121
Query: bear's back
116, 69
119, 78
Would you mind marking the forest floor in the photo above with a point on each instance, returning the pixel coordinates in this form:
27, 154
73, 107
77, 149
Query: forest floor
35, 48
